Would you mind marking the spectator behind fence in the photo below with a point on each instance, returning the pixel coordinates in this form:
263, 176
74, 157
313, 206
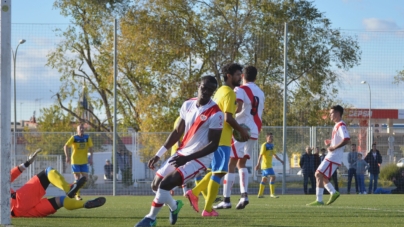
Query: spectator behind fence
361, 167
307, 165
352, 158
317, 159
374, 159
108, 170
398, 182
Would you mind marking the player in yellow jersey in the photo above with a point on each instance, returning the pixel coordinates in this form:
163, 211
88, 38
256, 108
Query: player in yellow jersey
81, 144
225, 97
267, 152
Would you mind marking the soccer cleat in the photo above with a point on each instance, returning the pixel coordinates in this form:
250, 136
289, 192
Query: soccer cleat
222, 205
260, 196
242, 203
274, 196
174, 214
193, 200
95, 203
32, 157
213, 213
146, 222
75, 187
78, 197
333, 197
315, 203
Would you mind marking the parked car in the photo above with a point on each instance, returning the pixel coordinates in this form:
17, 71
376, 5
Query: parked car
400, 163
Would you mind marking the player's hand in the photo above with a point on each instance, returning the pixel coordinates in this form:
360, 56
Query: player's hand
331, 149
153, 161
67, 159
90, 161
244, 135
327, 142
283, 163
178, 161
32, 157
257, 168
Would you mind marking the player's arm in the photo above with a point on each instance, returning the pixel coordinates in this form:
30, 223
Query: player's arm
65, 149
173, 138
16, 171
239, 105
344, 133
257, 167
213, 137
277, 158
228, 117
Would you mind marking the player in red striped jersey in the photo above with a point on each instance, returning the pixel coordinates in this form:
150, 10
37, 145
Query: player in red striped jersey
339, 138
201, 123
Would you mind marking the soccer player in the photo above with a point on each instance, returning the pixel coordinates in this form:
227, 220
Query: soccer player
81, 144
266, 154
225, 97
29, 201
339, 138
250, 105
201, 123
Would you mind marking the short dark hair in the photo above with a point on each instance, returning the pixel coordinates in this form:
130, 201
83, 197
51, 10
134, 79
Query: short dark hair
250, 73
373, 144
338, 108
210, 79
269, 133
230, 68
353, 144
322, 149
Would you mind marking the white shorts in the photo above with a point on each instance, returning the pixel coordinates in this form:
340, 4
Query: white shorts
327, 168
241, 150
188, 171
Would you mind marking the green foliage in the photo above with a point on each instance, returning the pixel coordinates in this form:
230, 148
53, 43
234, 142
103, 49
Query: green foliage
127, 178
389, 171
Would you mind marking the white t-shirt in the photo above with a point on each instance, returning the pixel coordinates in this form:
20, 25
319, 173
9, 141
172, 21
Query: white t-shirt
339, 134
247, 93
198, 121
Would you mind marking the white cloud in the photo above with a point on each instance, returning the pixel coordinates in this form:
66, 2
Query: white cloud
375, 24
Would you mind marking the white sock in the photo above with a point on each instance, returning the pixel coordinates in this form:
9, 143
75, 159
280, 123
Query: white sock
184, 189
330, 188
228, 184
243, 173
319, 194
162, 197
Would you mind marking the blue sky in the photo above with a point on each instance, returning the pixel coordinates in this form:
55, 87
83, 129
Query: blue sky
368, 20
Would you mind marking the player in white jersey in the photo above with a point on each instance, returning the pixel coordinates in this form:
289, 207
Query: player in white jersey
250, 105
201, 123
339, 138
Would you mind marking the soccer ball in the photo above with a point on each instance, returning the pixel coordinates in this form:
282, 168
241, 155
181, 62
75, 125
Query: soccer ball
236, 134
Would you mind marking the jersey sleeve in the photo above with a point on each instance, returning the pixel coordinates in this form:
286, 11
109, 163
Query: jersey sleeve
263, 148
343, 131
15, 172
240, 94
183, 110
90, 142
229, 103
216, 121
70, 142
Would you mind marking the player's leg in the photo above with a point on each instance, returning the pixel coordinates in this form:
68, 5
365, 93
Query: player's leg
156, 182
334, 194
55, 178
83, 173
371, 179
243, 172
220, 165
323, 173
272, 179
376, 178
228, 183
262, 184
201, 186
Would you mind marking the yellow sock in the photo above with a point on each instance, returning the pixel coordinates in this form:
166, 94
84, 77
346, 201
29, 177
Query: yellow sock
272, 188
58, 180
202, 185
261, 190
72, 204
213, 189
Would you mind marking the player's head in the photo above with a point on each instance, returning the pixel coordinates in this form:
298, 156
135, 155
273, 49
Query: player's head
250, 73
232, 74
206, 89
353, 147
336, 113
80, 129
270, 137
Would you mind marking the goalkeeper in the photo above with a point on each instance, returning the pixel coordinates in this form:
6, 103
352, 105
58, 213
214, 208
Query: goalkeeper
29, 201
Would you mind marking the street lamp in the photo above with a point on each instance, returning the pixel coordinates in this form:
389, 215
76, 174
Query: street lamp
15, 100
370, 113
